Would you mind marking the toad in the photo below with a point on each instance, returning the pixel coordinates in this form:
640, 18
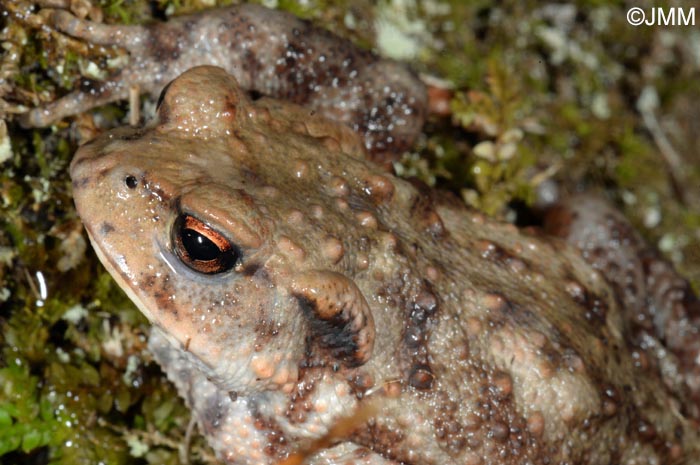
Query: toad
307, 304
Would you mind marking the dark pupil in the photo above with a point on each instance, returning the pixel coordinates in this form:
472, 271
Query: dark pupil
199, 247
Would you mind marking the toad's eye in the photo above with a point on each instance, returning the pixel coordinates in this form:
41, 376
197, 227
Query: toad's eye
202, 248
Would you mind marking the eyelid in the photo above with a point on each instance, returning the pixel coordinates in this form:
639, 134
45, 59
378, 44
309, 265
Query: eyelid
232, 212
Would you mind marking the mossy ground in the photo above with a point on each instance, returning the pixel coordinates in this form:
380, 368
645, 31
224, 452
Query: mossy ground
570, 93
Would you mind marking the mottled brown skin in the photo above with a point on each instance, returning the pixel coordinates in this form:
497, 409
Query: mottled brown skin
431, 334
269, 52
657, 302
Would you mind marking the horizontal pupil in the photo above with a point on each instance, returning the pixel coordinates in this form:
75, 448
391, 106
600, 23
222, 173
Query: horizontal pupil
198, 247
202, 248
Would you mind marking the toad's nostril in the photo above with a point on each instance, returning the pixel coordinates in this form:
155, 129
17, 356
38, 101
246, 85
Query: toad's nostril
131, 181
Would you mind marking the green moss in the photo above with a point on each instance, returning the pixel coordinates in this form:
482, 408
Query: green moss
574, 84
536, 96
25, 423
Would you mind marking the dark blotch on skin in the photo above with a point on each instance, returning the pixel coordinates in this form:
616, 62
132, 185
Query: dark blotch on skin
106, 228
332, 334
250, 269
162, 290
134, 134
212, 414
449, 431
157, 190
424, 213
423, 307
165, 42
80, 183
300, 403
91, 86
377, 435
276, 445
501, 256
596, 308
265, 331
421, 377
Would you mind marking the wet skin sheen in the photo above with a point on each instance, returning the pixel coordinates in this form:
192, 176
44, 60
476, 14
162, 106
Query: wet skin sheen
306, 302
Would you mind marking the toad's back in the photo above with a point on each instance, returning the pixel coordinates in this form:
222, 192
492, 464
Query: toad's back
300, 293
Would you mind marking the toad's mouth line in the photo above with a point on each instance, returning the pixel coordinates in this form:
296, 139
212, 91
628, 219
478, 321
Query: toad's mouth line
140, 293
120, 274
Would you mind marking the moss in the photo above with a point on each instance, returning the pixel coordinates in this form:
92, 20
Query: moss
539, 93
573, 74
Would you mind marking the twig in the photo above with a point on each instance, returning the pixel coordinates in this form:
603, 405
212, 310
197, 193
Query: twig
646, 104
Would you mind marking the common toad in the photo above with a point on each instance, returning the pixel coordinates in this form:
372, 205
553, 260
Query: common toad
304, 301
